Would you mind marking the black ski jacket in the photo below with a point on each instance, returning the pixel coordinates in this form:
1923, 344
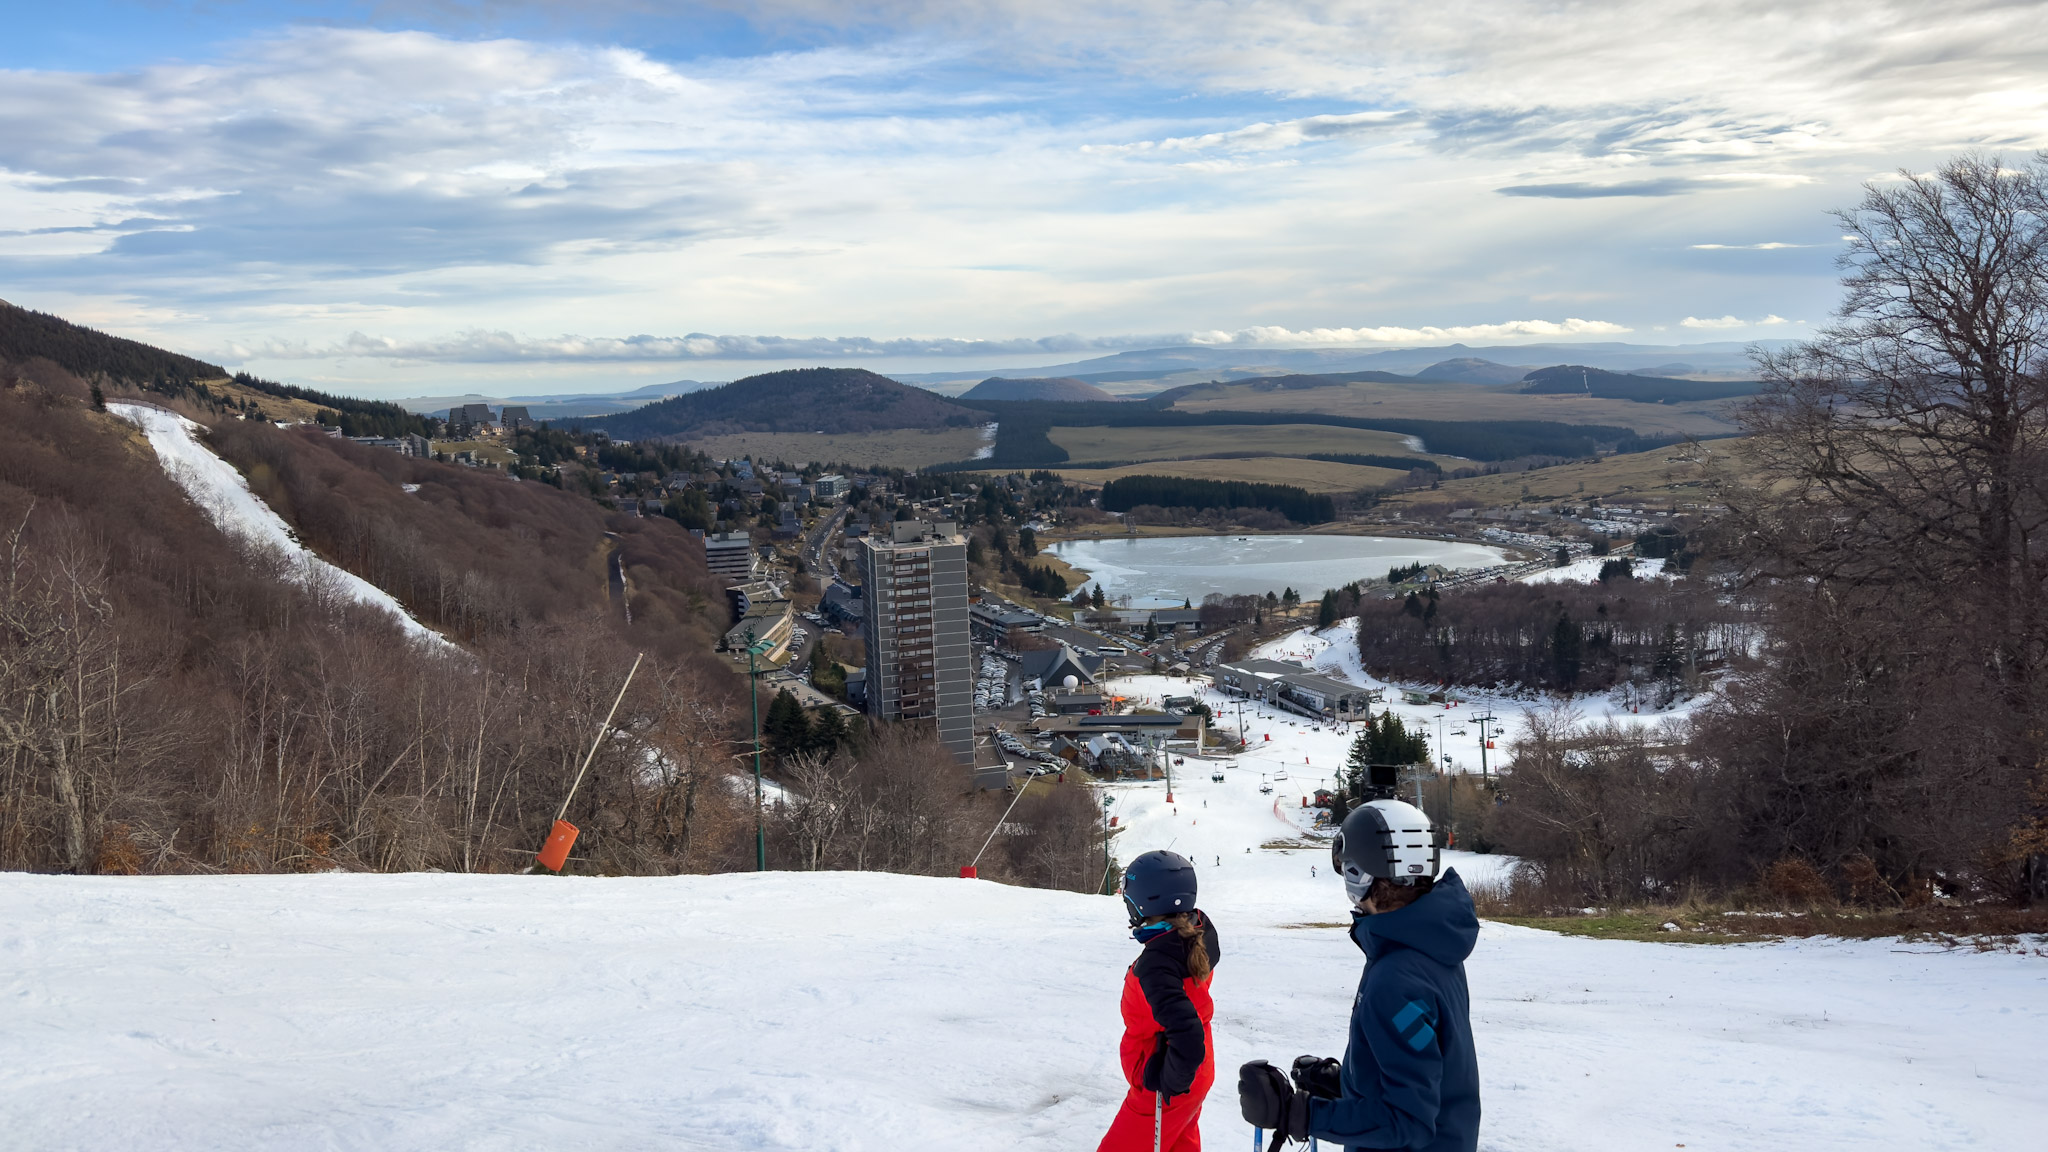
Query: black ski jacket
1166, 1014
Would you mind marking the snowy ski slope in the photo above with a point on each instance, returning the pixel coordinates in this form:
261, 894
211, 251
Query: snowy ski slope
223, 494
858, 1011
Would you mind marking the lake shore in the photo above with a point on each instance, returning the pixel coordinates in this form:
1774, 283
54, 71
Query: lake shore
1159, 570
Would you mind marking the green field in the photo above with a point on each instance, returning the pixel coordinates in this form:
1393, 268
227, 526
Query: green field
1125, 445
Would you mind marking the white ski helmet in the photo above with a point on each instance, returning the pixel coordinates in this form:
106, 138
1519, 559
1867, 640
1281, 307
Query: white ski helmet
1384, 840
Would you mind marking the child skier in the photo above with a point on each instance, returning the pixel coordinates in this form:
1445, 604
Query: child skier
1167, 1052
1409, 1078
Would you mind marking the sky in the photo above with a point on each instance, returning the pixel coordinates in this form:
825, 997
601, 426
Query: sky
438, 196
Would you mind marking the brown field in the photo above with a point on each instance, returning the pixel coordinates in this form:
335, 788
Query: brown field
1680, 474
897, 448
1084, 445
1432, 400
1313, 475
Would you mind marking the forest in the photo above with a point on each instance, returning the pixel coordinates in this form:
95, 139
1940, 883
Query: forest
1023, 440
1127, 492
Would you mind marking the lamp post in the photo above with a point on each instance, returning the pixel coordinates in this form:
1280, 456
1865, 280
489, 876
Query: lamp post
756, 648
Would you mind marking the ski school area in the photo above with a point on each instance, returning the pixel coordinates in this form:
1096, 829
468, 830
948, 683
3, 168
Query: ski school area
853, 1011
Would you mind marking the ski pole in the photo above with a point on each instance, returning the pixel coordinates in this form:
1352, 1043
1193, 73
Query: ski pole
1158, 1117
1258, 1137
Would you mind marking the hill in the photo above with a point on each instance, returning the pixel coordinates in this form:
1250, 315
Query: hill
269, 720
1577, 379
90, 354
802, 400
1471, 370
1059, 389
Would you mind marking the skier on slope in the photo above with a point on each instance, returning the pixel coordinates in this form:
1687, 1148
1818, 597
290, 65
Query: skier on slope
1167, 1052
1410, 1077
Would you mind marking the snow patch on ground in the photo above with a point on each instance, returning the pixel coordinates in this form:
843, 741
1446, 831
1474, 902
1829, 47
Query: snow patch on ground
223, 494
1586, 570
1333, 651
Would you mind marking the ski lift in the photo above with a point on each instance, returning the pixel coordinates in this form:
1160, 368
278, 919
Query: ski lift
1266, 789
1216, 777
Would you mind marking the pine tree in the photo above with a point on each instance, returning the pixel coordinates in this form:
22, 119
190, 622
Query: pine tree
1326, 615
828, 731
786, 728
1100, 601
1566, 647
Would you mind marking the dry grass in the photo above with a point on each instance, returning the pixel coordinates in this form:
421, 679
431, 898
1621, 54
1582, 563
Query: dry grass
1312, 475
1681, 474
1124, 444
272, 407
1764, 915
1443, 401
490, 451
896, 448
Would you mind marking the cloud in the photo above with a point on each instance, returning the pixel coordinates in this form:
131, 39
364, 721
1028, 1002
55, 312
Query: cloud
1770, 246
1274, 337
1732, 322
497, 347
1265, 137
1579, 190
882, 166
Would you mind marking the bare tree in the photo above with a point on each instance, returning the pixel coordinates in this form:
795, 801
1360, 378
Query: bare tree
1903, 478
821, 789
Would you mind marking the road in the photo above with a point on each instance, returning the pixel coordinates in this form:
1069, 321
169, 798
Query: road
815, 557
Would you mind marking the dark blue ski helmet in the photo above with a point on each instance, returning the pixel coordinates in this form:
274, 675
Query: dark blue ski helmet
1158, 883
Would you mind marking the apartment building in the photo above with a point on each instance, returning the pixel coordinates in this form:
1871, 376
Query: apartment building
730, 554
915, 623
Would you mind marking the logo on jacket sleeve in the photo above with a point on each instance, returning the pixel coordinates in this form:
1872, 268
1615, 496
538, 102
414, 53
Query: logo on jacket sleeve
1415, 1025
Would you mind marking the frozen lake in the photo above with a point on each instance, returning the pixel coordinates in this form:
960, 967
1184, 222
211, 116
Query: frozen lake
1162, 571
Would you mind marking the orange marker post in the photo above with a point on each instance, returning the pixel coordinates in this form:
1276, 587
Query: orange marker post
555, 852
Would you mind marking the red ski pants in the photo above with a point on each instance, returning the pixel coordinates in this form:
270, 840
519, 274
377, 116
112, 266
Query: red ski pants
1180, 1129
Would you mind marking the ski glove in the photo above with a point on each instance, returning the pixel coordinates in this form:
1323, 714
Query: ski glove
1267, 1100
1320, 1077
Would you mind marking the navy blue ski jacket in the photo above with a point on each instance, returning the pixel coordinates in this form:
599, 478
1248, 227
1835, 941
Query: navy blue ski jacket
1411, 1078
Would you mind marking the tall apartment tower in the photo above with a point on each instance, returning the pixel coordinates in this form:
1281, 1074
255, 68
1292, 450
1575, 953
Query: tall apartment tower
919, 666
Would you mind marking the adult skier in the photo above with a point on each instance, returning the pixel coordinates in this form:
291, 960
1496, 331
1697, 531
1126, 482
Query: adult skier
1409, 1078
1167, 1052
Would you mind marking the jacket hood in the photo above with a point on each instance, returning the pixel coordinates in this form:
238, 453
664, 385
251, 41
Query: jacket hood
1442, 925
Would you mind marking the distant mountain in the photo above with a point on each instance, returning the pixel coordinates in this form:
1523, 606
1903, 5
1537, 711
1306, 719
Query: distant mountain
560, 405
799, 400
1716, 358
1472, 370
1060, 389
1299, 381
1577, 378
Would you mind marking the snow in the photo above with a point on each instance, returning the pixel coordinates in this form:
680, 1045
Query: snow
1586, 570
1333, 651
860, 1011
988, 442
857, 1011
223, 494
